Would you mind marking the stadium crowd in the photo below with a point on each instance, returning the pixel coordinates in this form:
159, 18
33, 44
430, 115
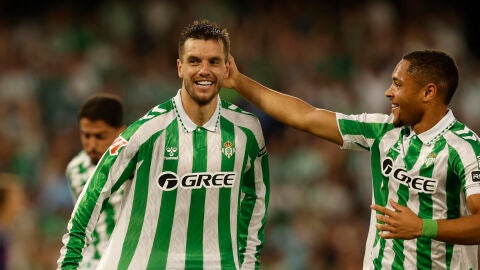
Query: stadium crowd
334, 54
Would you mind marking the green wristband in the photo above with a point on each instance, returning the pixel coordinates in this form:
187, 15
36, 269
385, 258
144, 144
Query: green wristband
429, 228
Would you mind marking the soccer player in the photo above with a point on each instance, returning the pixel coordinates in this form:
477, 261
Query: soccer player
100, 121
196, 175
425, 163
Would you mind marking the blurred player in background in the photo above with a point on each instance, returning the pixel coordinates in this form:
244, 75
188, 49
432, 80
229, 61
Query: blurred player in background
196, 176
13, 202
422, 158
100, 121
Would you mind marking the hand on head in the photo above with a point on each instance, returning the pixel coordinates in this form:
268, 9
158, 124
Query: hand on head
233, 74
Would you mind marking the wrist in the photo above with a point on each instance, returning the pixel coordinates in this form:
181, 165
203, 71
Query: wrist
429, 228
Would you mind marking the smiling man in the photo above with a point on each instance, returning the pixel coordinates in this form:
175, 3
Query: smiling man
425, 163
195, 171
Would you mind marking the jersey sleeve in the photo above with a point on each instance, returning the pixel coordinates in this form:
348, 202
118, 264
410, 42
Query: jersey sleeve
115, 167
467, 161
253, 206
360, 131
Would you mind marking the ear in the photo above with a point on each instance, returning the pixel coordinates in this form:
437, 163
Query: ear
430, 91
227, 66
179, 68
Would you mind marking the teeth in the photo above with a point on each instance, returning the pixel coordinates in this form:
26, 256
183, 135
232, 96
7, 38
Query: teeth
205, 83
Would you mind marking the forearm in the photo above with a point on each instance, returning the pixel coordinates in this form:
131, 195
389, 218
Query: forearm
284, 108
464, 230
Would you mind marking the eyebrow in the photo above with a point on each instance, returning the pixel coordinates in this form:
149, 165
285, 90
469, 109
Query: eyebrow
193, 57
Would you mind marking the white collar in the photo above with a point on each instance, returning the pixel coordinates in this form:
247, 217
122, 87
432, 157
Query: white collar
187, 123
432, 135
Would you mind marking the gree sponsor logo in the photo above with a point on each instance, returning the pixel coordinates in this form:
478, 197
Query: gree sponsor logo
414, 182
170, 180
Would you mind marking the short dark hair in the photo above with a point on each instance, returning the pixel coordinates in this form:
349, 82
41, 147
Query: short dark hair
204, 30
106, 107
430, 66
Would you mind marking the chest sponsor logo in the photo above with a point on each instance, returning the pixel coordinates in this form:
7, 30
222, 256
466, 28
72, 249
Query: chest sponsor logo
476, 176
169, 180
171, 153
414, 182
117, 145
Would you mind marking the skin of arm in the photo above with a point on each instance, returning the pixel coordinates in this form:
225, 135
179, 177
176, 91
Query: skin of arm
285, 108
402, 223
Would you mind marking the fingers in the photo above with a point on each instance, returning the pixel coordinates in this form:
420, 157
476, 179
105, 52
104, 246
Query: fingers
382, 209
395, 205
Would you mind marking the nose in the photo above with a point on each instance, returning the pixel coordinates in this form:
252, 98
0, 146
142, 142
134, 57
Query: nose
89, 144
388, 92
204, 68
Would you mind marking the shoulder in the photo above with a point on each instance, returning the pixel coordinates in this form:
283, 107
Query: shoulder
239, 116
460, 136
81, 159
154, 120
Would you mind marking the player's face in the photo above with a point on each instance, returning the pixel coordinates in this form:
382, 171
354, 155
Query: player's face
405, 95
202, 68
96, 137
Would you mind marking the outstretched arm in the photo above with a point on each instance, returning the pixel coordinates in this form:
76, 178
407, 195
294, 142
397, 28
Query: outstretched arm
285, 108
402, 223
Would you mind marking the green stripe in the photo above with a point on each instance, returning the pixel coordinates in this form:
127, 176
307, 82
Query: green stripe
194, 249
110, 218
159, 253
95, 242
453, 189
228, 164
87, 205
137, 214
369, 130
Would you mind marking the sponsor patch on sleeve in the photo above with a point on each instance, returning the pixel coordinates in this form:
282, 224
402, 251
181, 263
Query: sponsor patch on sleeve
476, 176
117, 145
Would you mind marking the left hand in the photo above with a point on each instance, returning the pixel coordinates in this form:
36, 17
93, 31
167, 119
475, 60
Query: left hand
400, 223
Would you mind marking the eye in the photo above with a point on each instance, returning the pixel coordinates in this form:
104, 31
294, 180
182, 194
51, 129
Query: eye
193, 61
215, 61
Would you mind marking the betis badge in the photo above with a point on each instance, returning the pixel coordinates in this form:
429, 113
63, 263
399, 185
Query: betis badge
228, 149
430, 159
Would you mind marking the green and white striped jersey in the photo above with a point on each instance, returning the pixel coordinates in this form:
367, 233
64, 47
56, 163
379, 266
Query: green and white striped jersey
197, 197
79, 169
432, 173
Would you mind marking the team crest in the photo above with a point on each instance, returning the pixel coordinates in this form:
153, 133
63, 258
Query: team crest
228, 150
171, 152
430, 159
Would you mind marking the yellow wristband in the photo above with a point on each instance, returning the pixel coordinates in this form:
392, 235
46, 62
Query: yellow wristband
429, 228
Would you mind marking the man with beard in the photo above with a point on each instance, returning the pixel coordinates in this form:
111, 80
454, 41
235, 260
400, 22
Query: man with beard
195, 171
100, 121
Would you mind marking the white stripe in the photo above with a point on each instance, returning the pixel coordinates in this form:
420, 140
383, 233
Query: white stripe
211, 248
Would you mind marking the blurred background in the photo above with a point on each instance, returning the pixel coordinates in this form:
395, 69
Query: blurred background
337, 55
